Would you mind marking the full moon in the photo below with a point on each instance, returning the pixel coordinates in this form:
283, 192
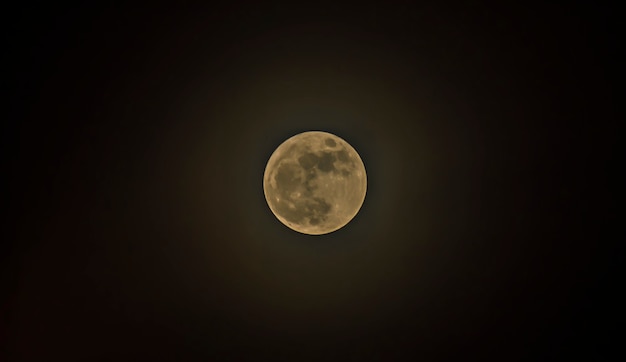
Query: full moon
315, 183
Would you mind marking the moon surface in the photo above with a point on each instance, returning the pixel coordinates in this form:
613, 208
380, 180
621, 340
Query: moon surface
315, 183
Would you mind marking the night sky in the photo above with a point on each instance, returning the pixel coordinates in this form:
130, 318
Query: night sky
134, 145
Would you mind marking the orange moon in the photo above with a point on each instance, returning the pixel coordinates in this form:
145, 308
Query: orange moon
315, 183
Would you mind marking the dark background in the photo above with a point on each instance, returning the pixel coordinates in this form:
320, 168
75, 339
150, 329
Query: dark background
136, 139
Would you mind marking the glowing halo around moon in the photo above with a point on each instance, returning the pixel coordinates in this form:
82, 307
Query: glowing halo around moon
315, 183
